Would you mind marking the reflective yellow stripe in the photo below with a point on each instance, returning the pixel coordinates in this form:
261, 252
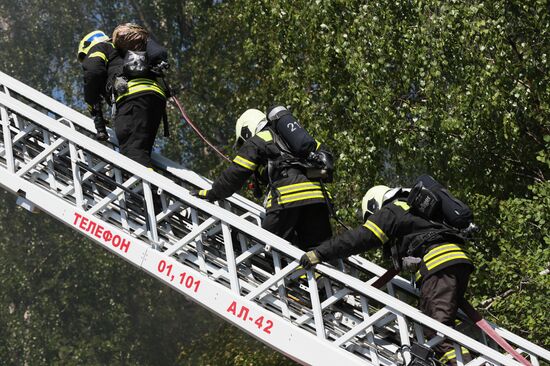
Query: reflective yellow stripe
136, 82
297, 192
138, 89
244, 163
376, 231
297, 197
265, 135
139, 85
452, 354
288, 196
299, 187
203, 192
436, 256
318, 145
141, 80
99, 54
440, 250
449, 257
403, 205
448, 356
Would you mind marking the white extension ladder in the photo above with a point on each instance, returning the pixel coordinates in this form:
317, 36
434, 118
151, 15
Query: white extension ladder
215, 254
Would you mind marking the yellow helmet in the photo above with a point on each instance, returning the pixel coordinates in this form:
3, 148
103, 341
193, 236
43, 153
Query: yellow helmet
89, 41
373, 200
249, 124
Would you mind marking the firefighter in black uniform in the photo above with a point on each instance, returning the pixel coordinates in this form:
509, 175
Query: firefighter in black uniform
94, 83
296, 209
140, 101
443, 268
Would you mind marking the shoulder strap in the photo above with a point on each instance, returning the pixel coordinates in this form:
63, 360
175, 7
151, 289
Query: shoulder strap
278, 140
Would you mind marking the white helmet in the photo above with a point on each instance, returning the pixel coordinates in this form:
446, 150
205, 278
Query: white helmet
249, 124
374, 199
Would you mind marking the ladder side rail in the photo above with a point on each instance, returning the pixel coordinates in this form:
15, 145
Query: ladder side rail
246, 315
270, 299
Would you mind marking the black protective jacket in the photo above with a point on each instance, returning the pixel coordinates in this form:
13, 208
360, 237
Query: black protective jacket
290, 188
102, 64
395, 225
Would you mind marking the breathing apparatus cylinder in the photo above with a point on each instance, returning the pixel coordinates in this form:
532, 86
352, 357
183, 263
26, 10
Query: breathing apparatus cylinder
299, 141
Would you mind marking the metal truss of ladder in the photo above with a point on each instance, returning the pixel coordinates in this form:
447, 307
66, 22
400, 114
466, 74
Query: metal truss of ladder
215, 254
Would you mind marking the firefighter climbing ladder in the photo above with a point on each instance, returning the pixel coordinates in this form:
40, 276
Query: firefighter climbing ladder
216, 253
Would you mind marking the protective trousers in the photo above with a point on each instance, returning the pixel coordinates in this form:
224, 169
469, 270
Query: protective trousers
304, 226
440, 295
136, 124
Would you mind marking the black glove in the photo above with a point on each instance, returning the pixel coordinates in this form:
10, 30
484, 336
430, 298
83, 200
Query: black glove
309, 259
101, 130
99, 122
